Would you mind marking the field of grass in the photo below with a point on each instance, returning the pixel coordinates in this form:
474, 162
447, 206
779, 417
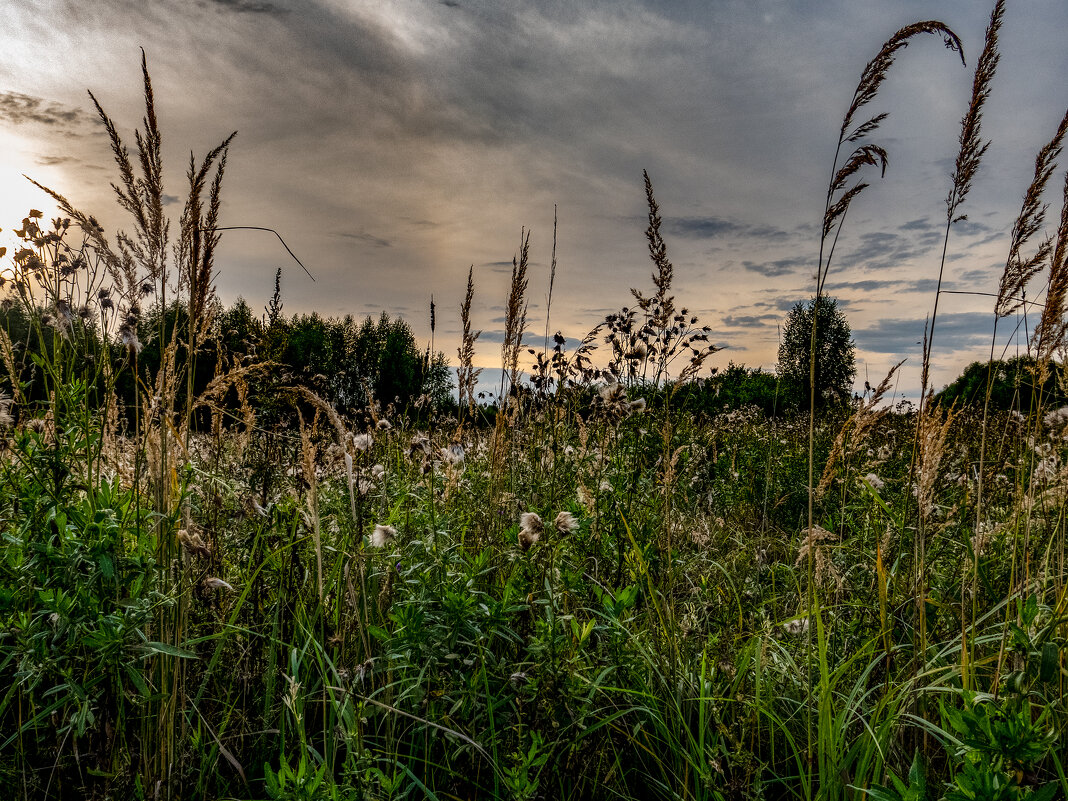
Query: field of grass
599, 588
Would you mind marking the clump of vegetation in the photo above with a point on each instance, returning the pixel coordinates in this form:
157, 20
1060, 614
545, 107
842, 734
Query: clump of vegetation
238, 562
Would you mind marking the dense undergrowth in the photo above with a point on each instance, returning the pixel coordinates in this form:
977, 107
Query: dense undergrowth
611, 585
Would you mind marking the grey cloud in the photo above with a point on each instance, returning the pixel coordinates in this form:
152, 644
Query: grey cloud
54, 161
955, 331
712, 227
880, 250
19, 109
708, 227
971, 228
918, 285
748, 320
247, 7
366, 238
779, 267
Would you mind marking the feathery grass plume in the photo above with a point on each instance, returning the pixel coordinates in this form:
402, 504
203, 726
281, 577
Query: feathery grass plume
660, 306
141, 196
813, 545
199, 234
972, 148
466, 374
663, 332
1050, 332
515, 318
970, 155
1019, 271
857, 429
933, 430
875, 72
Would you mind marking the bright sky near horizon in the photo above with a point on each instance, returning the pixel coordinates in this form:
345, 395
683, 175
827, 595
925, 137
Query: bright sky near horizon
394, 143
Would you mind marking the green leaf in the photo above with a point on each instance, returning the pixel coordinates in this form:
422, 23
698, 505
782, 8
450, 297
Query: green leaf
154, 648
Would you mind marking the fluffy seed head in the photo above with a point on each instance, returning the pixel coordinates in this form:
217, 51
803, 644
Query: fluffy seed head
382, 536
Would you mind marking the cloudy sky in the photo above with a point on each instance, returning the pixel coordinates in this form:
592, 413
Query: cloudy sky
395, 143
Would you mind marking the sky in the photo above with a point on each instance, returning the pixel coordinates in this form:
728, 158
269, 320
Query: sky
396, 143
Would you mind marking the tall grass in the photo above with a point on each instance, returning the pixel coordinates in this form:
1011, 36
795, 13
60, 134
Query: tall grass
595, 588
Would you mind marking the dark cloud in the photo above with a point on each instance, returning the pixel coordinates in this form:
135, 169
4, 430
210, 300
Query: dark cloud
53, 161
781, 304
972, 228
247, 7
369, 239
918, 225
917, 285
779, 267
169, 200
954, 331
20, 109
881, 250
713, 227
749, 320
706, 227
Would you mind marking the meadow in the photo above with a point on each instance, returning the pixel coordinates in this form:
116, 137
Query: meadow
604, 583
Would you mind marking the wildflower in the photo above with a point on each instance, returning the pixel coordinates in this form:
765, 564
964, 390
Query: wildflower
193, 543
128, 337
63, 312
5, 410
362, 442
382, 536
796, 626
378, 472
761, 558
383, 425
454, 454
566, 523
875, 482
637, 405
1056, 419
213, 583
530, 529
363, 669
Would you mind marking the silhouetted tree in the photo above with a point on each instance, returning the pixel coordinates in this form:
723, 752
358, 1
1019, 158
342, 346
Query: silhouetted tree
835, 351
